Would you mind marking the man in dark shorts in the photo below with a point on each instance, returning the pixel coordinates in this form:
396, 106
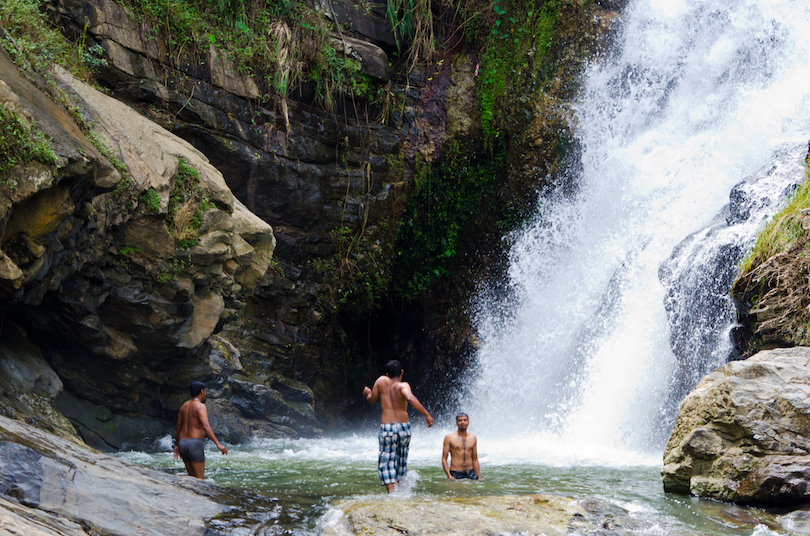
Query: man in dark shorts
192, 427
463, 450
395, 429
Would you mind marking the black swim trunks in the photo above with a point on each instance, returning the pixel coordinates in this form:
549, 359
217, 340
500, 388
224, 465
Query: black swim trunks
191, 450
458, 475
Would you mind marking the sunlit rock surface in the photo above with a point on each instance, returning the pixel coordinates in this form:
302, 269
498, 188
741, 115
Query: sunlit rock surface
743, 434
50, 486
477, 516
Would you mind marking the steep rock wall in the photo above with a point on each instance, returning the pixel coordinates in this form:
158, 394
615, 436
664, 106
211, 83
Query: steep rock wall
121, 310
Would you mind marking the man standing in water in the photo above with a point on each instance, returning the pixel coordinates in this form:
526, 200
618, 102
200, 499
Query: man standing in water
395, 429
192, 427
463, 450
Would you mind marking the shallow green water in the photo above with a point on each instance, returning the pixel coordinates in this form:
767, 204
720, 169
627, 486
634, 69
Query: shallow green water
307, 477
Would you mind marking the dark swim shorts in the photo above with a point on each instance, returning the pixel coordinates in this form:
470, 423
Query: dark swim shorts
191, 450
458, 475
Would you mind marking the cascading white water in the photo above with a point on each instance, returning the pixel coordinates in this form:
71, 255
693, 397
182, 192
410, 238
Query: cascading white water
575, 363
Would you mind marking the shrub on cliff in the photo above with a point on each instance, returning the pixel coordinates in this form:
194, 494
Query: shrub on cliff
771, 290
33, 42
21, 143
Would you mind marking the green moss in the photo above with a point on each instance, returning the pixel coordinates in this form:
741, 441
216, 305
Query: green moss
151, 199
21, 143
783, 230
450, 197
516, 50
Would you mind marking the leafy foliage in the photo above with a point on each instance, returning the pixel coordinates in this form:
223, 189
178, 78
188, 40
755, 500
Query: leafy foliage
21, 143
33, 42
151, 199
285, 41
187, 204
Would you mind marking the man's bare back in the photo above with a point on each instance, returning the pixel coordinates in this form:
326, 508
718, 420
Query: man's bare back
395, 429
394, 396
190, 420
192, 424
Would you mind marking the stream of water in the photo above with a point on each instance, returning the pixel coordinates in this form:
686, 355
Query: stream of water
576, 385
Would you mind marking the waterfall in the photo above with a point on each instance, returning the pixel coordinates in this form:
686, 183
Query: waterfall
575, 362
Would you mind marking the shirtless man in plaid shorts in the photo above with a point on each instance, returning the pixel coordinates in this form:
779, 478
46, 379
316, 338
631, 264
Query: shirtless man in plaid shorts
395, 430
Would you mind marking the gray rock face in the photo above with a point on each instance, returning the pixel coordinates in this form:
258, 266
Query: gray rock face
743, 434
51, 486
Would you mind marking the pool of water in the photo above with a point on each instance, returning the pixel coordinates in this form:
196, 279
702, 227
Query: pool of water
307, 477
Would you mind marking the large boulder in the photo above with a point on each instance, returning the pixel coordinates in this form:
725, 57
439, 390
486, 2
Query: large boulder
743, 434
50, 486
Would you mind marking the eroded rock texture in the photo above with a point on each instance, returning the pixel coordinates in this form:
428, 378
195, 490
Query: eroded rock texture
743, 434
122, 314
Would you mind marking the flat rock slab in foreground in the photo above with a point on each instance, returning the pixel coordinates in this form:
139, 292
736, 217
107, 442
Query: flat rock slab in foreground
470, 516
52, 486
743, 434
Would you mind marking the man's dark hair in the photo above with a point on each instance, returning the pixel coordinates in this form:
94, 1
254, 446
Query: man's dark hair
196, 387
462, 415
393, 368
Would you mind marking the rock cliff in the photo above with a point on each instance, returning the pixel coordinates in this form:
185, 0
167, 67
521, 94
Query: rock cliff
122, 274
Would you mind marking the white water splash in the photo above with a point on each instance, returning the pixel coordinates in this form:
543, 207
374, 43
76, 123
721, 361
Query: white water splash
699, 94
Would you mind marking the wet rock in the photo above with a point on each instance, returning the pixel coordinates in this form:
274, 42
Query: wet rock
367, 20
743, 434
29, 386
51, 486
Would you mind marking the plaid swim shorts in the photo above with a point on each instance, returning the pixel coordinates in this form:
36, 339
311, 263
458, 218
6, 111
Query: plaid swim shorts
394, 440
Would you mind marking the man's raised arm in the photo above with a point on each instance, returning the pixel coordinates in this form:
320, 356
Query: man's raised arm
372, 395
414, 402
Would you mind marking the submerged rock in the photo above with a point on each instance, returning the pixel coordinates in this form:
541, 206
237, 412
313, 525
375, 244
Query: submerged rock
743, 434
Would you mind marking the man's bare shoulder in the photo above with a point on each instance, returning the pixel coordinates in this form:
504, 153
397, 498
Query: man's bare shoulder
383, 380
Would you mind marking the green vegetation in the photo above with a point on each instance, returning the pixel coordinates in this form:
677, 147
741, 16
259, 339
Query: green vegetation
449, 199
151, 199
187, 204
782, 232
32, 40
283, 41
129, 251
514, 56
21, 143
